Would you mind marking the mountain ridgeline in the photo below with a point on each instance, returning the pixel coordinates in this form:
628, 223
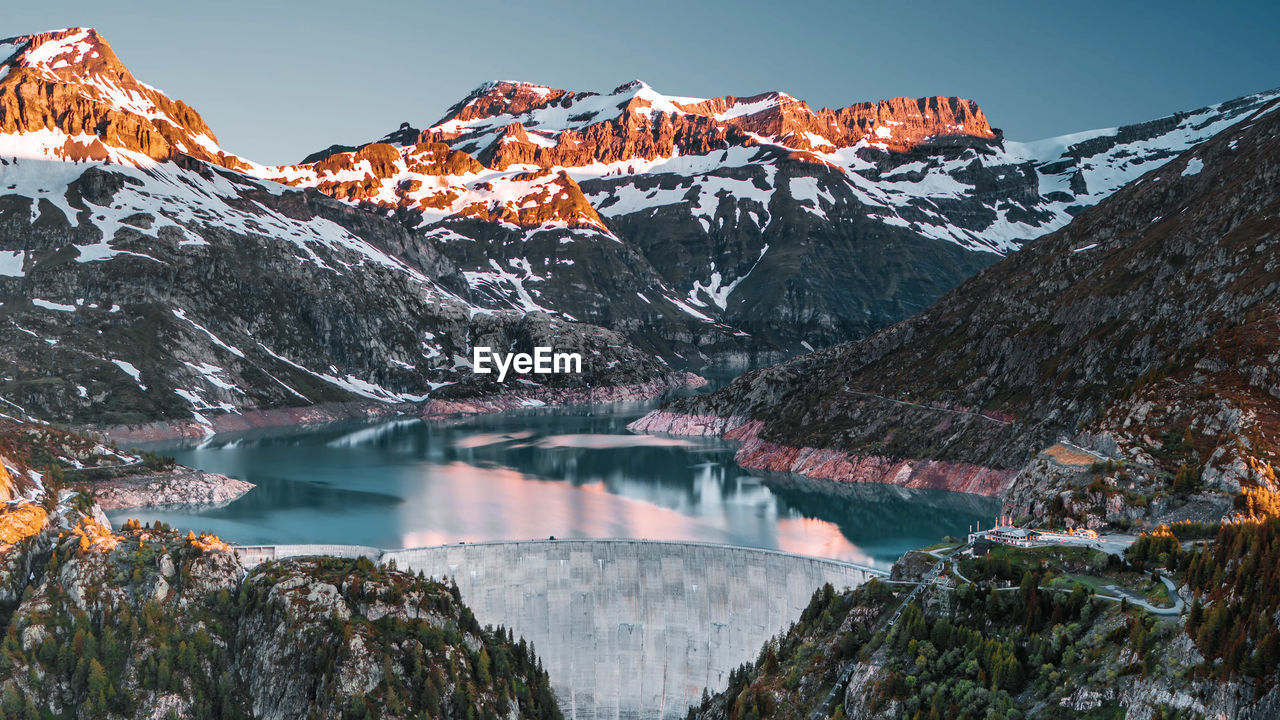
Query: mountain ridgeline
794, 228
148, 275
1146, 328
145, 277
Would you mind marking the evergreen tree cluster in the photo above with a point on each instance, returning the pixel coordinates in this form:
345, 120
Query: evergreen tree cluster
427, 671
97, 662
110, 652
1235, 582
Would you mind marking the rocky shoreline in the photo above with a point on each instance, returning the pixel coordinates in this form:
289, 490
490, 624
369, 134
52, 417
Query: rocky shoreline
185, 486
530, 397
182, 486
557, 397
160, 430
836, 466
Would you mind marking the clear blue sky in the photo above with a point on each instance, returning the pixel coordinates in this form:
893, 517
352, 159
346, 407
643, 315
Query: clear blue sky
277, 79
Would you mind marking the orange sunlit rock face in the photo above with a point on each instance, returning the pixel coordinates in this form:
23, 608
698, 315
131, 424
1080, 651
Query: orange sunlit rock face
431, 176
553, 197
19, 523
71, 81
95, 536
643, 129
6, 484
511, 98
517, 126
631, 136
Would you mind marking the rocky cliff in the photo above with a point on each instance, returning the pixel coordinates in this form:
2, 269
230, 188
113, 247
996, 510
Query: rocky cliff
151, 280
1146, 327
648, 125
735, 228
146, 622
70, 83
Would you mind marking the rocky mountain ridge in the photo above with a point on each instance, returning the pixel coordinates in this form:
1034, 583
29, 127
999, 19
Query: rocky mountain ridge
794, 228
588, 133
145, 277
1145, 329
146, 274
143, 622
71, 82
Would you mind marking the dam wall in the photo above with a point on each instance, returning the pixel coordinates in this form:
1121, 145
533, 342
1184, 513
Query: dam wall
625, 628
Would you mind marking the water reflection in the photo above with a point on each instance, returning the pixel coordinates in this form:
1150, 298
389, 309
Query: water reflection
412, 483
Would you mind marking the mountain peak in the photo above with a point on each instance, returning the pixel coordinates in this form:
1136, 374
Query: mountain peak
630, 86
70, 89
501, 97
636, 122
60, 49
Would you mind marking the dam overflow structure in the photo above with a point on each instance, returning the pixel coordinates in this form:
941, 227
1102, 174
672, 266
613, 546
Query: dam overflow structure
625, 628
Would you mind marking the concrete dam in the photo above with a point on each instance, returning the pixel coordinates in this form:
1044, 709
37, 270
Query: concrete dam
625, 628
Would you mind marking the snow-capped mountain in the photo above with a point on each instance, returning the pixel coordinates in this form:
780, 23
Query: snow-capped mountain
144, 275
1154, 314
70, 84
526, 238
145, 272
892, 154
794, 228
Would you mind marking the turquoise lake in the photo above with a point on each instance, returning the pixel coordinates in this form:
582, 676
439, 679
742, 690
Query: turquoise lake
410, 483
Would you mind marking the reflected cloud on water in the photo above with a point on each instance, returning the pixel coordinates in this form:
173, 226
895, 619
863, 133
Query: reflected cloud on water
410, 483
